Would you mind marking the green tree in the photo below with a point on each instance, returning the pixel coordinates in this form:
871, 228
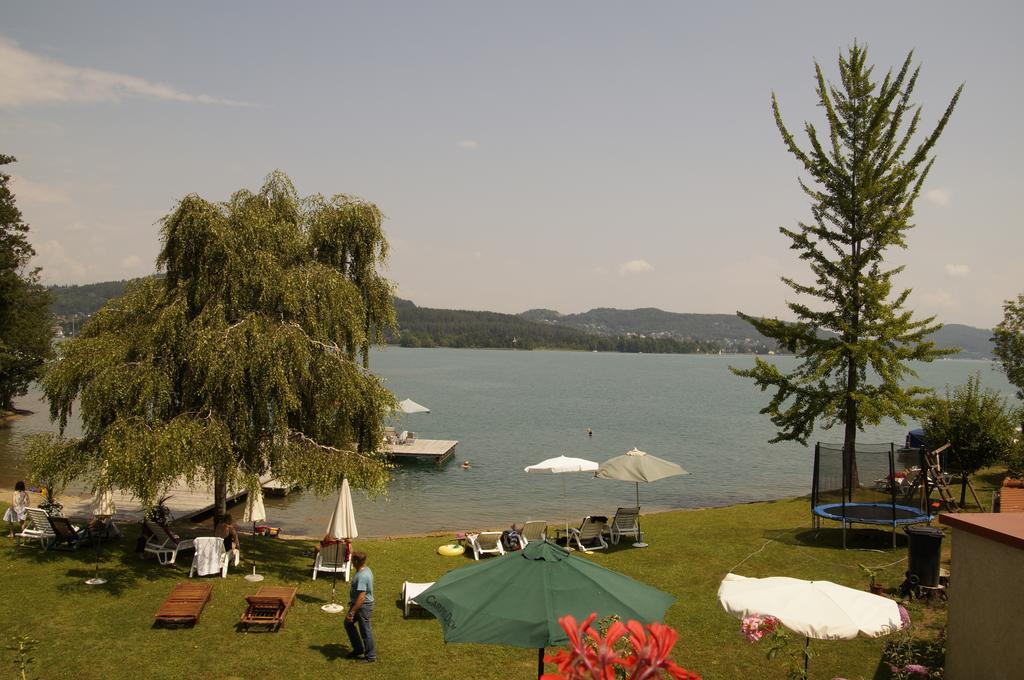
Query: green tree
976, 422
1008, 337
239, 360
26, 325
865, 177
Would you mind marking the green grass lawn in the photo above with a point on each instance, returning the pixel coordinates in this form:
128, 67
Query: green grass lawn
106, 632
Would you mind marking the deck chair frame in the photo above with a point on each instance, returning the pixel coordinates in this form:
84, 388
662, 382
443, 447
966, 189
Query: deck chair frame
164, 544
482, 544
38, 528
268, 607
591, 530
185, 604
625, 523
66, 534
410, 591
533, 530
326, 564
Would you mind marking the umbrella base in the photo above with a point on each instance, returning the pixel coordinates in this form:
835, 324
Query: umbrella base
254, 577
333, 608
95, 581
639, 544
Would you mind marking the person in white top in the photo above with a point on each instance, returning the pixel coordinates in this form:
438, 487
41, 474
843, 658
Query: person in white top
19, 505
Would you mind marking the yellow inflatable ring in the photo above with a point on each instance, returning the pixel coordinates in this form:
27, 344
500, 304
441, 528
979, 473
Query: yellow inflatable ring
451, 550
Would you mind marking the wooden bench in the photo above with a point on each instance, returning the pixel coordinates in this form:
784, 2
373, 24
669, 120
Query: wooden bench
185, 603
268, 607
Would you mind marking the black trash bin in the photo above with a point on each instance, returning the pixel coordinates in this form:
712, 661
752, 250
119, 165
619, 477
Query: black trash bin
925, 554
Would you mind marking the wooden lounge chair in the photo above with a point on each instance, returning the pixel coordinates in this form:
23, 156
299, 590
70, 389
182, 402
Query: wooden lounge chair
38, 528
184, 604
410, 591
486, 543
590, 534
534, 530
327, 562
268, 607
626, 522
163, 543
66, 533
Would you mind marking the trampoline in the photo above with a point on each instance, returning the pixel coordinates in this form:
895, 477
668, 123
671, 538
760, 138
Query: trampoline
866, 487
884, 514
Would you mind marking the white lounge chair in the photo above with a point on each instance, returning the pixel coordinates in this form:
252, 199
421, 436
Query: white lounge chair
590, 535
326, 562
410, 591
534, 530
211, 556
164, 544
38, 528
625, 523
486, 543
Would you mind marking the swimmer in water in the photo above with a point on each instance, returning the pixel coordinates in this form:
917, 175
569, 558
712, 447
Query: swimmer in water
590, 433
465, 465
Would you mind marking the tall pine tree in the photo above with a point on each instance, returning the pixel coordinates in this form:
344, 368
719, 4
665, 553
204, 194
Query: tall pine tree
26, 325
865, 177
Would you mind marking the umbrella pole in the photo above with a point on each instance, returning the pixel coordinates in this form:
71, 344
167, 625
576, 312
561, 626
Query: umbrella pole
640, 534
334, 607
540, 662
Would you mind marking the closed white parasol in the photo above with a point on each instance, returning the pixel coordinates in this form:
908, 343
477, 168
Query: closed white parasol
341, 526
254, 512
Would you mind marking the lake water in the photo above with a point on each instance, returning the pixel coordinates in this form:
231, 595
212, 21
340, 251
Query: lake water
512, 409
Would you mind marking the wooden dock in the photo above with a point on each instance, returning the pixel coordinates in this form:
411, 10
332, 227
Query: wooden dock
185, 503
434, 450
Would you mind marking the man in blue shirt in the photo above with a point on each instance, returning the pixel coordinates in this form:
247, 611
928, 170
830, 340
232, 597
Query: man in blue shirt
360, 609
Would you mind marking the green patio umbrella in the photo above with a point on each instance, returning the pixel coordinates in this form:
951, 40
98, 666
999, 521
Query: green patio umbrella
517, 599
638, 466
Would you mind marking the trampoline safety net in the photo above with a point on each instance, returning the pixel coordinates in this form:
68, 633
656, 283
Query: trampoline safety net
863, 478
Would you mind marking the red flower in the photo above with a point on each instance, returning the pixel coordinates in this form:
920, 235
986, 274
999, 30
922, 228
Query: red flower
592, 656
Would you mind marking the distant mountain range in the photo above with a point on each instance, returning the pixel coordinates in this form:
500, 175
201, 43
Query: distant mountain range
605, 329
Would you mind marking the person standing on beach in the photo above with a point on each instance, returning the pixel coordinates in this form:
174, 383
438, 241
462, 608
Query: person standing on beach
360, 609
18, 511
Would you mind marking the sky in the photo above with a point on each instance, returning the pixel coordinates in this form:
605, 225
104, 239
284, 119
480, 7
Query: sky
564, 155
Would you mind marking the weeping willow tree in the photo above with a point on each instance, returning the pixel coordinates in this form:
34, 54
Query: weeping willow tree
241, 359
865, 176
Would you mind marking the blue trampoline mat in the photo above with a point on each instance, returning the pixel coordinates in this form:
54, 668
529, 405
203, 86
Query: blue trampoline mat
871, 513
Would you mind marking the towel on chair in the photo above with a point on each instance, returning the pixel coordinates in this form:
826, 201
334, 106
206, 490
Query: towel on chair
209, 555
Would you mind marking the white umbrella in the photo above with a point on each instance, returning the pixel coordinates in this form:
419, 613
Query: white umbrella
341, 526
103, 503
410, 406
254, 512
815, 609
560, 465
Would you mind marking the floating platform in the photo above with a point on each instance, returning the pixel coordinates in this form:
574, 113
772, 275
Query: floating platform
434, 450
274, 487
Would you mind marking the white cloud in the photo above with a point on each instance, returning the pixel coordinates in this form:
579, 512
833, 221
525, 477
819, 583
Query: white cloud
957, 271
27, 191
131, 262
635, 267
468, 144
600, 270
940, 197
28, 79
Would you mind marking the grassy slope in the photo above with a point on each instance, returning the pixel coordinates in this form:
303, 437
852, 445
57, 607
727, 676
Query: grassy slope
690, 552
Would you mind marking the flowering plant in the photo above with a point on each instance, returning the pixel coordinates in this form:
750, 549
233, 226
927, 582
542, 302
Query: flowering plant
592, 656
756, 626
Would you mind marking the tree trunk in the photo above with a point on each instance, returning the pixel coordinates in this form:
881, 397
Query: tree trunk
963, 489
220, 497
850, 435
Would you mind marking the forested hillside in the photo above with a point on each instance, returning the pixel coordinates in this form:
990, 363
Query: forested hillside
648, 329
